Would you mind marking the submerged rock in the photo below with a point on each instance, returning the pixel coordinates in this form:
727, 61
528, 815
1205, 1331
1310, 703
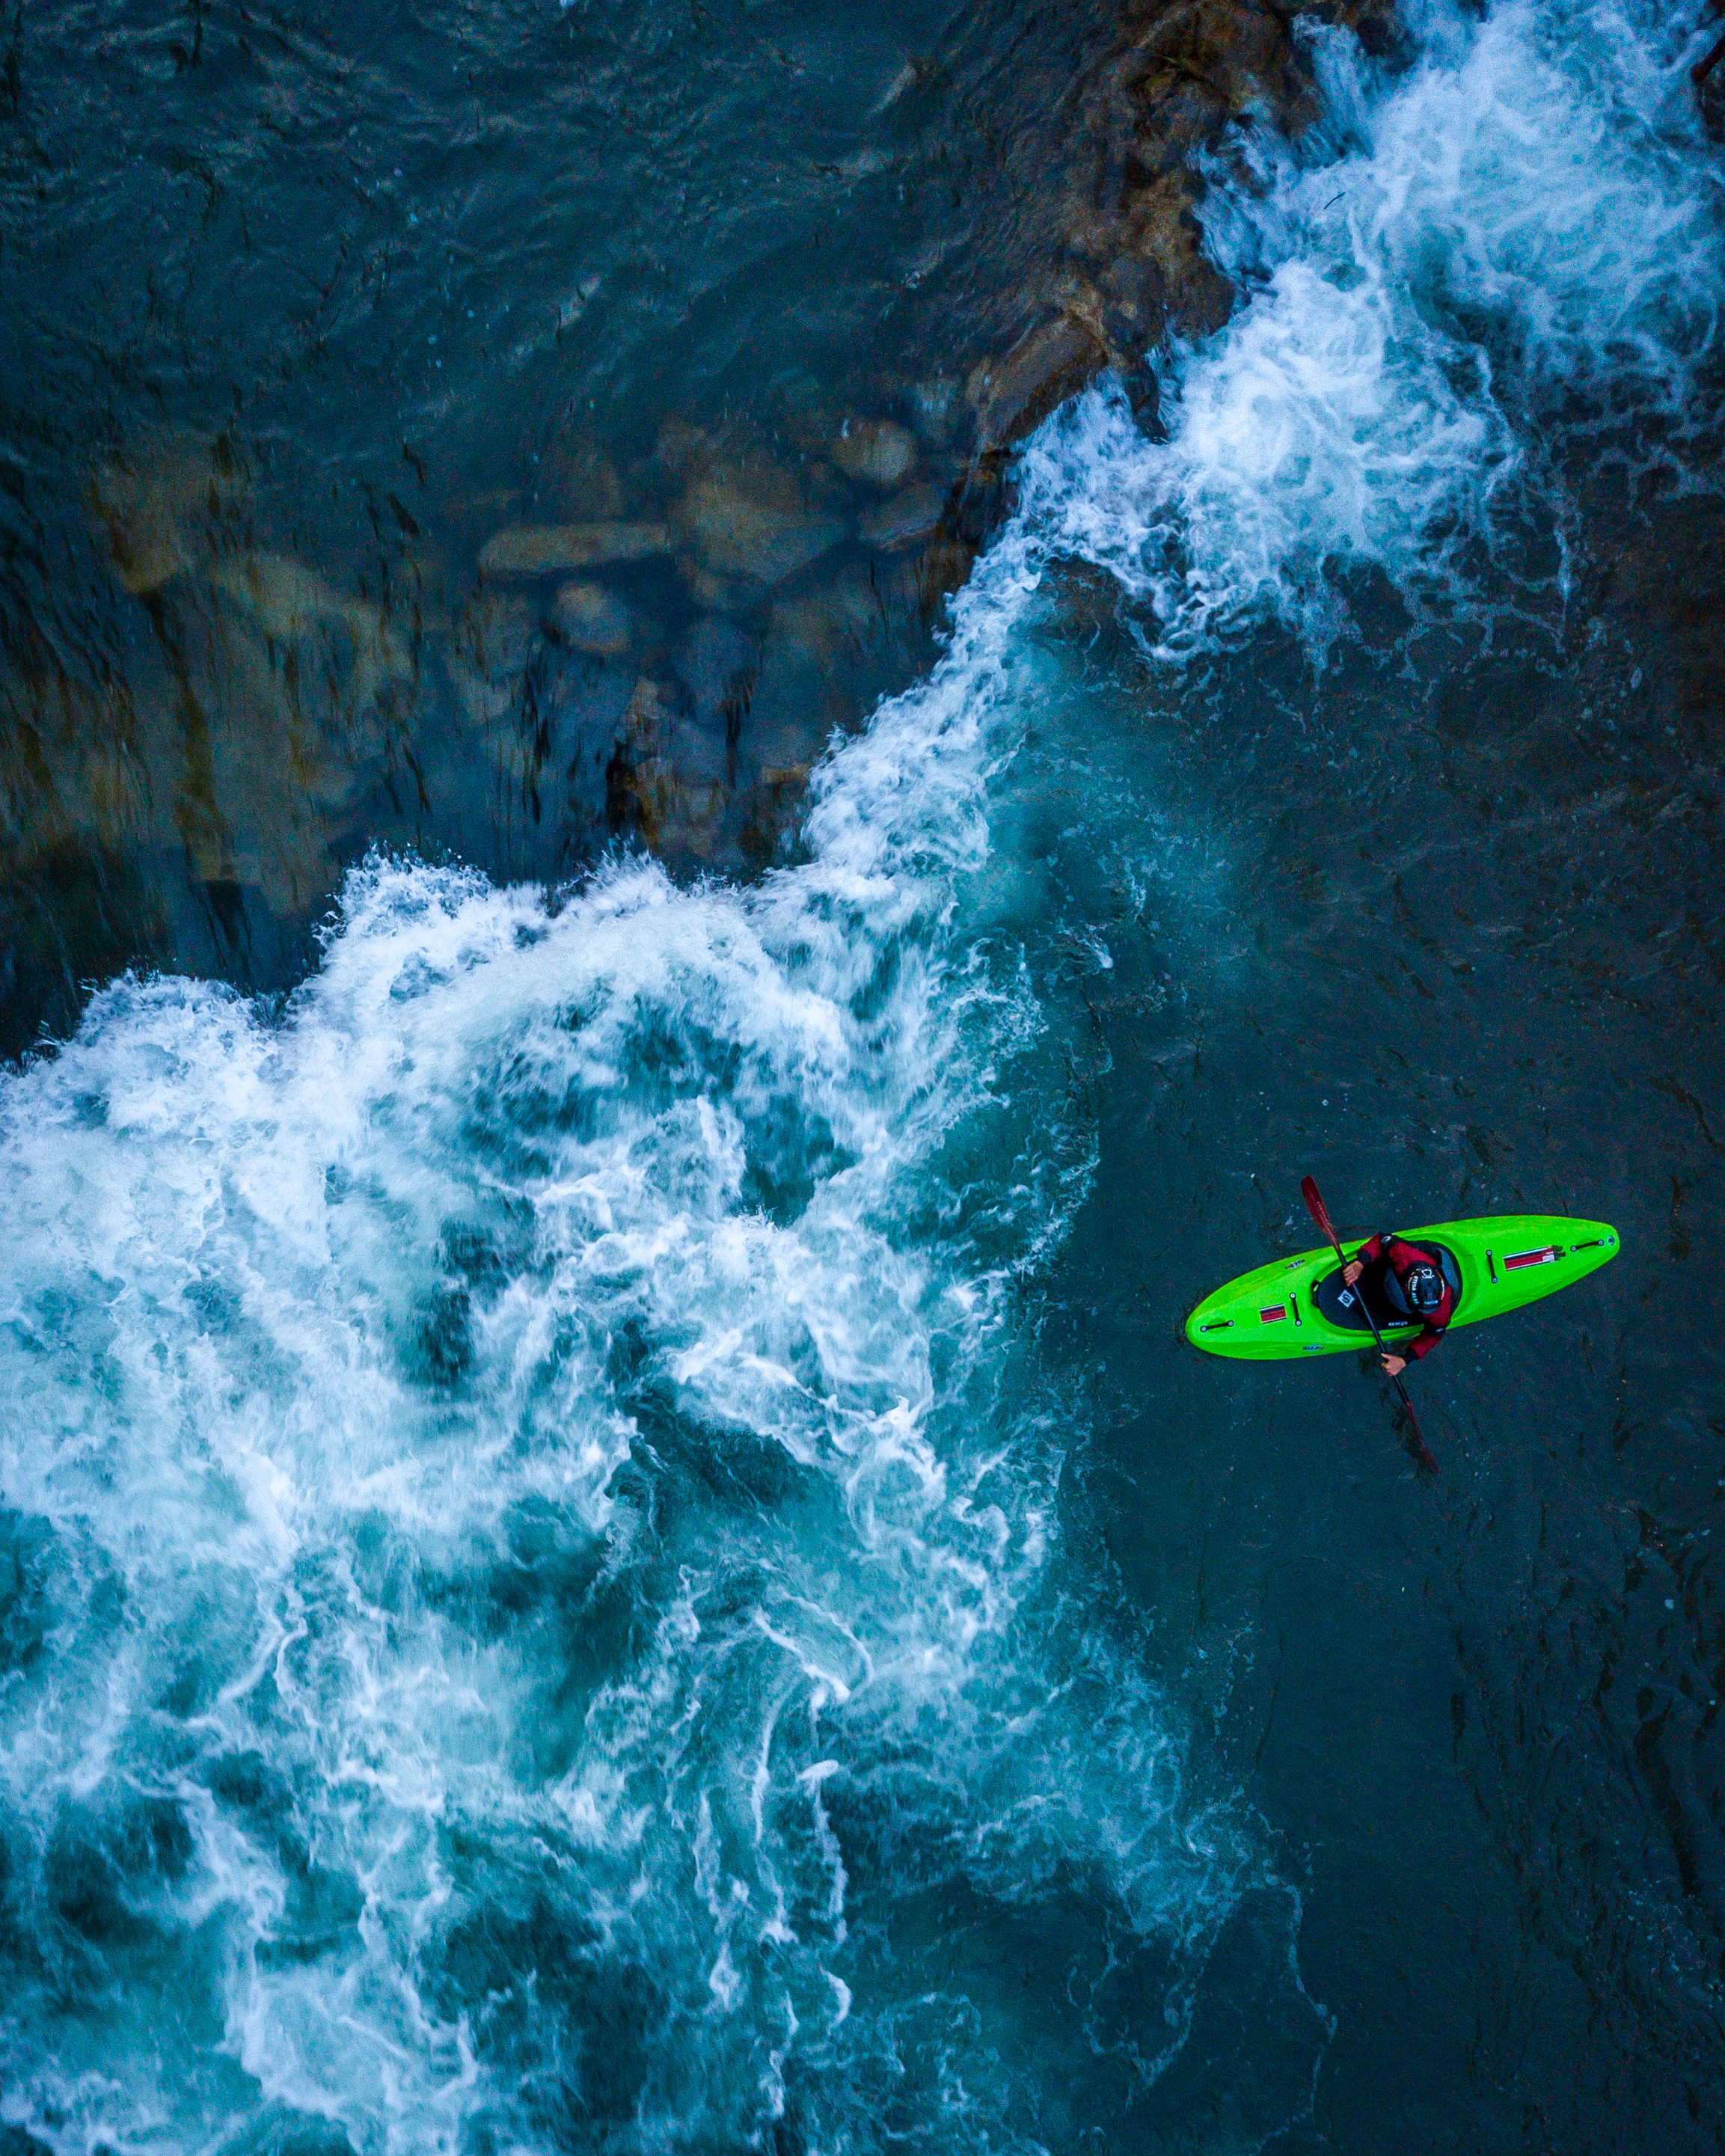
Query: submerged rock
1182, 73
588, 618
286, 598
719, 665
1109, 254
665, 782
876, 452
752, 523
143, 532
831, 624
153, 513
495, 639
697, 756
577, 471
716, 594
792, 716
580, 706
683, 449
906, 520
933, 406
1013, 395
291, 603
540, 550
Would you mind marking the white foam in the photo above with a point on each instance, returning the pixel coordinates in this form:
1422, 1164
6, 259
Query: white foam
1528, 216
695, 1121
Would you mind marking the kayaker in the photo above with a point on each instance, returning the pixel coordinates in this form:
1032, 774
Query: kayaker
1411, 1281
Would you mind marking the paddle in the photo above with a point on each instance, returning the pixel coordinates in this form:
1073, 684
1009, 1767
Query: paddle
1309, 1192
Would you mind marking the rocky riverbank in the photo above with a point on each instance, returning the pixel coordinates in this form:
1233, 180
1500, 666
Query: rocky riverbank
638, 626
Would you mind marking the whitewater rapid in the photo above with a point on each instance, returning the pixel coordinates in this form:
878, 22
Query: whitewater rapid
520, 1463
1525, 223
538, 1610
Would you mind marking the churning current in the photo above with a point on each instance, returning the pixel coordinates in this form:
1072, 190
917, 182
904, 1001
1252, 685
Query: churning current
541, 1608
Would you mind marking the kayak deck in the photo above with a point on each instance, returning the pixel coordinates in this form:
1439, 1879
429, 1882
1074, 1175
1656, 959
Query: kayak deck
1291, 1307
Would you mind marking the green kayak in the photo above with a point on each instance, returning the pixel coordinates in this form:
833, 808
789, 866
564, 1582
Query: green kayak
1293, 1306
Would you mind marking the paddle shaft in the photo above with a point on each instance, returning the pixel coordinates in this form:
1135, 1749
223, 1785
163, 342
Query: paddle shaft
1319, 1213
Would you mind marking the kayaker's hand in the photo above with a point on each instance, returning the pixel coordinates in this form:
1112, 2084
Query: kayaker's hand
1395, 1364
1351, 1271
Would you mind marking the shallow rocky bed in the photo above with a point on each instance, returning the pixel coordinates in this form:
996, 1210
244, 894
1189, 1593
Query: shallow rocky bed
636, 625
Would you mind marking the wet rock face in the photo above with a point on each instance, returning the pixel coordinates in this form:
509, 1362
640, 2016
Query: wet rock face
1013, 395
1114, 200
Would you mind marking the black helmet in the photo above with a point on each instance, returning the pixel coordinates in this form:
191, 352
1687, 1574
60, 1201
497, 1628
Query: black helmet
1422, 1286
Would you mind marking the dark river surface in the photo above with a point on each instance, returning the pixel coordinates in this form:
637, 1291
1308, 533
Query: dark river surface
676, 869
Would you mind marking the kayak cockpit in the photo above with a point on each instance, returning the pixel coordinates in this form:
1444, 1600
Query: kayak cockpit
1342, 1306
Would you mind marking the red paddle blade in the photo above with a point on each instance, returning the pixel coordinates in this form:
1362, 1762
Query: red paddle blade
1314, 1204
